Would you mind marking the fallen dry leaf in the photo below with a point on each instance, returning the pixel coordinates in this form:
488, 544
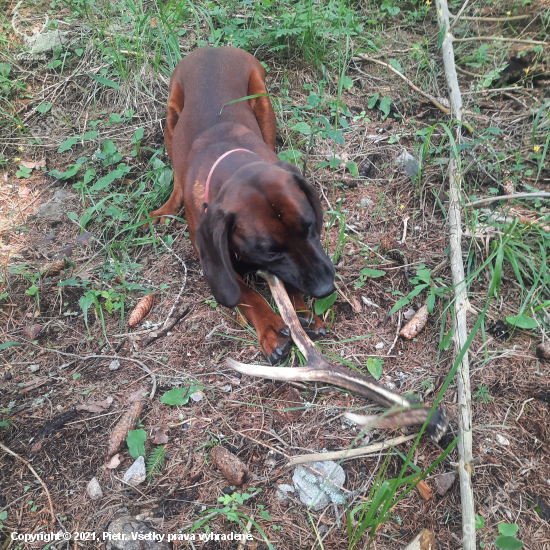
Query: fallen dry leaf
543, 350
138, 395
96, 406
160, 437
114, 462
443, 482
30, 333
24, 192
32, 164
83, 239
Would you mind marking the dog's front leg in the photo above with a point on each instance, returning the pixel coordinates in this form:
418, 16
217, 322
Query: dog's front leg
273, 334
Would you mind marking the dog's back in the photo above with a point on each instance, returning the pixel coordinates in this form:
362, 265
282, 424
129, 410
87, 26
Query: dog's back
209, 79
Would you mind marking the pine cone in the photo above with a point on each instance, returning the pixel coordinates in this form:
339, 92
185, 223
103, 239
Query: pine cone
125, 424
141, 310
508, 187
389, 247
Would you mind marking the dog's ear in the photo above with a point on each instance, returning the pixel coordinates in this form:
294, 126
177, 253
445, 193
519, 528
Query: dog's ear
308, 189
289, 167
213, 247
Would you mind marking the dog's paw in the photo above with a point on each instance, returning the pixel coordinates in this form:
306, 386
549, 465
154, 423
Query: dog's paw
275, 342
160, 217
311, 324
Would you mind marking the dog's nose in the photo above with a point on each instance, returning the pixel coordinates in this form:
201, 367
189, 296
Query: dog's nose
323, 289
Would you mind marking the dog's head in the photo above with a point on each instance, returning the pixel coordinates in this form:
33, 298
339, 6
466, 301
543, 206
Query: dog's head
270, 217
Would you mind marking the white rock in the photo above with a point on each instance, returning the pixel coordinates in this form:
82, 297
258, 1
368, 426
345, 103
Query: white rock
114, 365
380, 345
94, 489
409, 314
502, 440
316, 490
197, 396
136, 473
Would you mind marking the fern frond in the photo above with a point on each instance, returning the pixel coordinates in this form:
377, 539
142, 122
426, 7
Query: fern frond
155, 462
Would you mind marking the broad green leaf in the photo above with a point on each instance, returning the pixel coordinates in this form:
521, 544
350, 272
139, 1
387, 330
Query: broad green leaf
72, 216
79, 51
372, 100
179, 396
522, 321
374, 366
352, 167
3, 515
400, 303
44, 107
67, 144
480, 522
373, 273
347, 82
303, 128
385, 104
32, 290
322, 305
290, 155
103, 182
89, 176
92, 134
136, 440
508, 543
138, 134
508, 529
105, 81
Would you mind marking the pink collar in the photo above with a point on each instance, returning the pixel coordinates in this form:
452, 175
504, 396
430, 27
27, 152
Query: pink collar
207, 186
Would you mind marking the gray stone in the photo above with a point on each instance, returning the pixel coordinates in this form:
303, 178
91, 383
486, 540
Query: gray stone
47, 41
94, 489
282, 491
317, 491
55, 208
136, 472
121, 531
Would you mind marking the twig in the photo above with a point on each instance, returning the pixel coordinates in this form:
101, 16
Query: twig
499, 39
111, 357
511, 18
429, 97
396, 334
9, 451
465, 466
169, 325
538, 194
350, 453
459, 14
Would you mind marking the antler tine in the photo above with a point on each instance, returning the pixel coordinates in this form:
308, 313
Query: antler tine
318, 369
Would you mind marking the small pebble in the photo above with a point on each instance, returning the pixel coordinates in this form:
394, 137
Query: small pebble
136, 472
502, 440
380, 345
114, 365
94, 489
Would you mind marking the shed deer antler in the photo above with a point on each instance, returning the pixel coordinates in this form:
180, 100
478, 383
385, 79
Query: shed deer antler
318, 369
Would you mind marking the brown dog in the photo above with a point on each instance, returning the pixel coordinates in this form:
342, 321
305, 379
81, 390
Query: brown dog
246, 210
